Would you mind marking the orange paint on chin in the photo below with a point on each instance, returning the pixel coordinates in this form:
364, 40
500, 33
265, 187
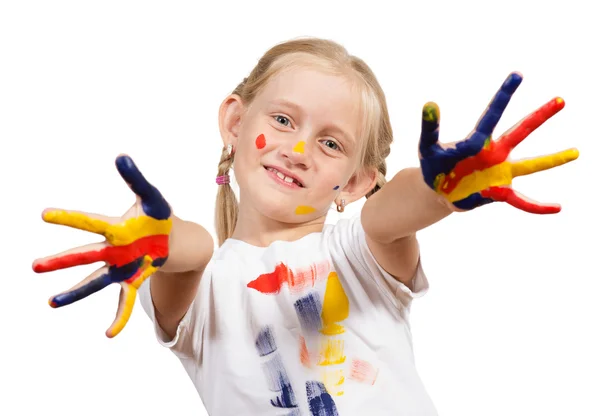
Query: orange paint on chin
261, 141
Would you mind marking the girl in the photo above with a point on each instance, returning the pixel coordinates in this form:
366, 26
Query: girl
289, 315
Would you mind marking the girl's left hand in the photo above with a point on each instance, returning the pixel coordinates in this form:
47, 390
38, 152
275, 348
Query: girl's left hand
476, 171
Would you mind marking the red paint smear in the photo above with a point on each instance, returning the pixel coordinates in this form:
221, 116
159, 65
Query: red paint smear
499, 151
260, 141
297, 281
155, 246
509, 196
304, 355
363, 372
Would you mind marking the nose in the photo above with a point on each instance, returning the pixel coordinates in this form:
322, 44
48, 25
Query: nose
297, 153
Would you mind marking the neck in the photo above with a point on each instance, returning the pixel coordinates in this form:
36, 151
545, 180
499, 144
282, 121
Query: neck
256, 229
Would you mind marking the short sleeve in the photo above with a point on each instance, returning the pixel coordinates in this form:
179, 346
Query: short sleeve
187, 340
351, 252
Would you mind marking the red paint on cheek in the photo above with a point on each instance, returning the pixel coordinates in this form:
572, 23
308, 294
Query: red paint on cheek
260, 141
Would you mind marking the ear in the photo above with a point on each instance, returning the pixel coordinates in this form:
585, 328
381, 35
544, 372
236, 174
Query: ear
358, 186
230, 118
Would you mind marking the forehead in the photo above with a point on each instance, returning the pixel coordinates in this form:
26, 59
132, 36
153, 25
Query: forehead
321, 96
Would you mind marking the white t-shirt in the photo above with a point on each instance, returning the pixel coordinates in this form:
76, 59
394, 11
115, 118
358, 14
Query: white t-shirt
309, 327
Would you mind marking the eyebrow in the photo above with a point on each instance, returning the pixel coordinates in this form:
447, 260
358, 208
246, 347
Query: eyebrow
332, 127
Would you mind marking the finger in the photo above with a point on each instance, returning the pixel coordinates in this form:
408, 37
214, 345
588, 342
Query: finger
94, 223
87, 254
490, 117
154, 245
153, 202
97, 282
508, 195
538, 164
429, 129
91, 284
127, 298
518, 133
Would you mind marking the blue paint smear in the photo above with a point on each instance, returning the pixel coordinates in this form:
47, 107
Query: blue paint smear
336, 188
308, 309
286, 399
320, 402
265, 342
114, 275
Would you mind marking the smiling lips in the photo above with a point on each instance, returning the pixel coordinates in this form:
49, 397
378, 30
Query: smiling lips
285, 177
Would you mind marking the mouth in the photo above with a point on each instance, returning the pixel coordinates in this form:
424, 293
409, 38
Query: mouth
285, 176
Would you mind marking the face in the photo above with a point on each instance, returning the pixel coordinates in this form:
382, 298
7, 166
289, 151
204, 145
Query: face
297, 146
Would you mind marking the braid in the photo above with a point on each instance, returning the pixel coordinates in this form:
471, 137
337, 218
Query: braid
226, 208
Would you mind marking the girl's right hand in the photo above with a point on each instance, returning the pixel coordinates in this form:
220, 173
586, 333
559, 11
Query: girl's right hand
136, 246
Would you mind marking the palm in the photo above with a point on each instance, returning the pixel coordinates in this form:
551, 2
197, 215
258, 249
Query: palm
476, 171
137, 244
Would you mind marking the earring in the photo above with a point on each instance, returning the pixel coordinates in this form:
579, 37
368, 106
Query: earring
229, 149
341, 206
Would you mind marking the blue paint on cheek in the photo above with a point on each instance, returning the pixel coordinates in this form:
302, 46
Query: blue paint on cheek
265, 342
319, 401
336, 188
308, 309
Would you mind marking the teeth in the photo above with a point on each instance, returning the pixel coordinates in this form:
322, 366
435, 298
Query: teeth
283, 177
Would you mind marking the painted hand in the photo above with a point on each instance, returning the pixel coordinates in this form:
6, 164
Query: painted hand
137, 244
476, 171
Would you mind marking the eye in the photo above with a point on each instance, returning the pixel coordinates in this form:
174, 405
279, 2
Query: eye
283, 120
331, 144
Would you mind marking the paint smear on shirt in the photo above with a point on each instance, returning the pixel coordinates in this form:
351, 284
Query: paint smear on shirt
304, 354
336, 306
274, 371
298, 281
265, 342
363, 371
308, 309
320, 402
331, 351
334, 380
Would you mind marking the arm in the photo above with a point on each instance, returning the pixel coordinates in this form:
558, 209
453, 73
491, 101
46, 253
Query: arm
392, 217
175, 285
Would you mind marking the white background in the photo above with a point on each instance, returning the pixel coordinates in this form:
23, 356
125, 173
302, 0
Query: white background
510, 324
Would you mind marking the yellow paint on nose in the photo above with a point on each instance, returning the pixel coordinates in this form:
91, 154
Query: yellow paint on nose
299, 148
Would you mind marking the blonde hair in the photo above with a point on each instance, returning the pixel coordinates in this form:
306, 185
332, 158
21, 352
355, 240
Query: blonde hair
327, 55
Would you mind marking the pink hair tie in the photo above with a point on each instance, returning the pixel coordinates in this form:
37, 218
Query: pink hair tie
222, 180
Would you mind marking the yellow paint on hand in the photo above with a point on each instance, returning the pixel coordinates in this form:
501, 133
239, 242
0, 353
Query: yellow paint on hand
120, 234
336, 306
299, 148
331, 352
528, 166
304, 209
503, 173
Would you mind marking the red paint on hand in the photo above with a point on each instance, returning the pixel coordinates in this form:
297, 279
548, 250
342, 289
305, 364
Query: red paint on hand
155, 246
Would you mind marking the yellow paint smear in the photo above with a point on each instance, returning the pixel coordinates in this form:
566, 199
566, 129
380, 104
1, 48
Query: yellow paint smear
299, 148
503, 173
333, 381
120, 234
331, 352
304, 209
336, 306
